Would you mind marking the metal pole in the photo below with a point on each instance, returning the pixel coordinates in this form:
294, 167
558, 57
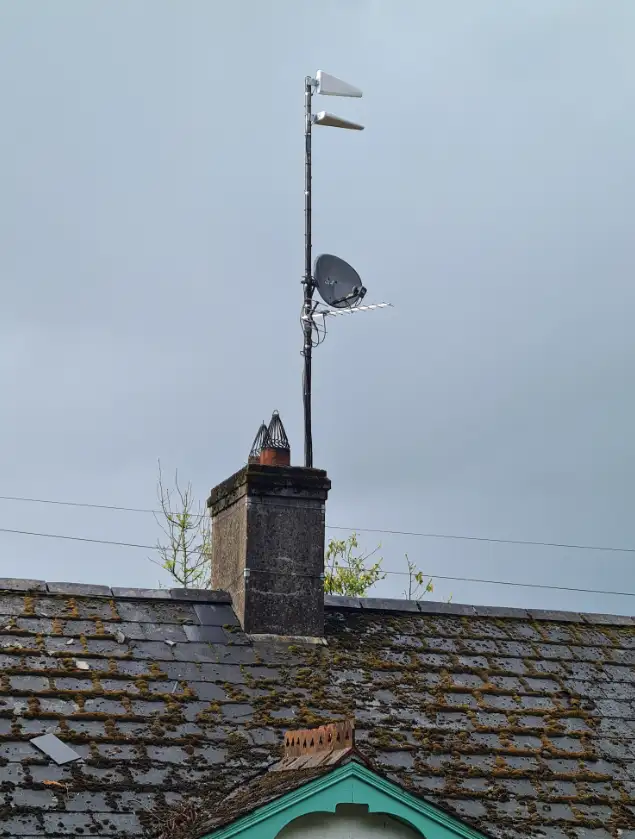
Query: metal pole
308, 279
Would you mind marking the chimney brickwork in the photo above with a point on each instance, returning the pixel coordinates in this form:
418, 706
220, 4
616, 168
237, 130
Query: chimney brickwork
268, 547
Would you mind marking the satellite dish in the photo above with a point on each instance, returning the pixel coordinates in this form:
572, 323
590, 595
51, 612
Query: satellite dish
338, 283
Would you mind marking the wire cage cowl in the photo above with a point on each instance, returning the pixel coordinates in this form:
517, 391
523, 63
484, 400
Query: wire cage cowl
275, 449
259, 441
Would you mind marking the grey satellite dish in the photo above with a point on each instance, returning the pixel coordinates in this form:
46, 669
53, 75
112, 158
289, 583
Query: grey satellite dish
338, 283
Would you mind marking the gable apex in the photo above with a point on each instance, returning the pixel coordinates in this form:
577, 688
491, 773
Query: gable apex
351, 783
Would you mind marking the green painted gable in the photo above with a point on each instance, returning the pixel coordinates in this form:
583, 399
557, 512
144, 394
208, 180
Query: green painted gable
351, 783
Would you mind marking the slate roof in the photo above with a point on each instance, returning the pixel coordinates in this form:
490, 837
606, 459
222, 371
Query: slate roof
520, 723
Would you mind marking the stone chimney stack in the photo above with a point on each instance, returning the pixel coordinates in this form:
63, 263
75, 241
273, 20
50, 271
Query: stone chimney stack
268, 540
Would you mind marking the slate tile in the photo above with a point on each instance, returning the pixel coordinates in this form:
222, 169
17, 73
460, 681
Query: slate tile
11, 773
210, 614
503, 703
91, 608
530, 721
339, 602
454, 720
41, 799
94, 729
106, 647
31, 727
64, 683
474, 661
79, 589
154, 776
431, 607
43, 626
441, 645
515, 649
557, 633
59, 707
120, 686
192, 711
468, 808
105, 775
436, 660
167, 754
594, 636
117, 751
208, 691
140, 593
608, 620
88, 802
103, 705
523, 631
66, 824
200, 595
542, 685
554, 668
156, 611
491, 719
536, 703
134, 668
154, 650
478, 645
15, 584
182, 670
205, 634
240, 655
480, 628
21, 825
511, 684
164, 631
190, 651
464, 700
237, 710
29, 684
617, 673
623, 656
211, 755
549, 615
469, 680
147, 708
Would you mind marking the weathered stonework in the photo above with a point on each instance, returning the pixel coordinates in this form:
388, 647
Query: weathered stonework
268, 547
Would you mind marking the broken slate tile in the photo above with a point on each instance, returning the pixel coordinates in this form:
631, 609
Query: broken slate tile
55, 748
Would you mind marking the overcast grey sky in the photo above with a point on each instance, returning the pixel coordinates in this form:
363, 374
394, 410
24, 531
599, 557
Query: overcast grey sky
151, 234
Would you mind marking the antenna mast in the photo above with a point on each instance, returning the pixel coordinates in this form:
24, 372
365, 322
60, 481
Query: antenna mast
308, 279
335, 274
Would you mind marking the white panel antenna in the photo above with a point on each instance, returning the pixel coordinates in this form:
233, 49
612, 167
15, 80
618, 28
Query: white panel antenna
324, 118
328, 85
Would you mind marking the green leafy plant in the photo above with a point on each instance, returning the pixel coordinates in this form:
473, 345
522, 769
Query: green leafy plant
185, 549
418, 586
346, 572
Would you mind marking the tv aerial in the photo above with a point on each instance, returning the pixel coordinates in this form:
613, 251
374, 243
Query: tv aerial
336, 281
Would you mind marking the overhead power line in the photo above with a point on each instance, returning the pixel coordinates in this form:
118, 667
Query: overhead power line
391, 573
415, 533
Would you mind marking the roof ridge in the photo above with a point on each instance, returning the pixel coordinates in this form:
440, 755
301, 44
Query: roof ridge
121, 593
334, 602
432, 607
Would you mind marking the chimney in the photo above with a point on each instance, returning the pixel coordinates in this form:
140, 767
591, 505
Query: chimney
268, 541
